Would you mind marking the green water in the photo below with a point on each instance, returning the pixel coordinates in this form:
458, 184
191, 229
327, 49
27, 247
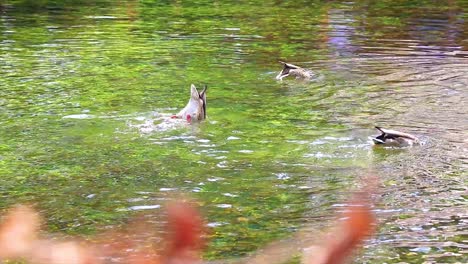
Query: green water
79, 78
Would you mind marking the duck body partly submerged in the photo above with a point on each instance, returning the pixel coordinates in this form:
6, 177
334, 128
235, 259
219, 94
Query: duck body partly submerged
394, 138
195, 110
295, 71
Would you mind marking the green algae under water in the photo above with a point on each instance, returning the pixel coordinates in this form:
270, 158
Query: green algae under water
77, 77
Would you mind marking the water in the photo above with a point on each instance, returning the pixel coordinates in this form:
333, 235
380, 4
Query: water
78, 78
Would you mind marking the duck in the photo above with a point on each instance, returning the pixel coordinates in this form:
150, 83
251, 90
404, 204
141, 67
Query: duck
195, 110
394, 138
296, 71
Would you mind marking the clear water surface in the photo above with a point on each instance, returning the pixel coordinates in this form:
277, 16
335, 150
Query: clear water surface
80, 79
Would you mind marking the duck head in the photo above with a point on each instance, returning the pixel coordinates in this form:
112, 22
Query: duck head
195, 110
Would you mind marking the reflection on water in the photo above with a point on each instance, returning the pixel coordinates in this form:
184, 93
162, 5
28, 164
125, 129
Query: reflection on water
85, 91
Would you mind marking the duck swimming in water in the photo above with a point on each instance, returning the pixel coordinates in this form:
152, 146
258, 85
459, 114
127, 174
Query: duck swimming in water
296, 71
195, 110
394, 138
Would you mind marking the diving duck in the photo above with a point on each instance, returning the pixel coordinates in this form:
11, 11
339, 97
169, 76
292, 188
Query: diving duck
394, 138
296, 71
195, 110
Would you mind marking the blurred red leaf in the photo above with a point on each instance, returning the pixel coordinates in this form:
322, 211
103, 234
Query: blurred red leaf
185, 234
18, 232
182, 243
357, 224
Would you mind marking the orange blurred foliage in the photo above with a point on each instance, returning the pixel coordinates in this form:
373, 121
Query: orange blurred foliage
183, 244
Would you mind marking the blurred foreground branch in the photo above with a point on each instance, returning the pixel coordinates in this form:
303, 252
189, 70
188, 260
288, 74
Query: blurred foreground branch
20, 240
